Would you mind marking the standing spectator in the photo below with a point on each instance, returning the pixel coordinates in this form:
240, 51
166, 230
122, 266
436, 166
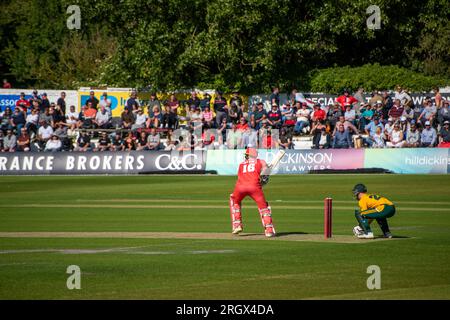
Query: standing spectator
194, 100
127, 118
235, 113
345, 99
35, 98
396, 138
303, 117
152, 103
237, 100
444, 113
23, 142
205, 102
22, 102
53, 144
45, 103
412, 136
105, 101
359, 95
133, 100
428, 136
274, 98
62, 102
341, 139
318, 113
173, 103
220, 108
6, 84
396, 111
444, 135
153, 140
403, 96
437, 98
387, 101
92, 100
375, 98
9, 142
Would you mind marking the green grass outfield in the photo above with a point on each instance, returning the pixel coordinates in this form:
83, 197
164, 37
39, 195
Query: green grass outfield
135, 261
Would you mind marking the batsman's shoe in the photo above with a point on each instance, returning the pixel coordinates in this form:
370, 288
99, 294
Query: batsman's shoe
270, 232
357, 231
388, 235
368, 235
237, 230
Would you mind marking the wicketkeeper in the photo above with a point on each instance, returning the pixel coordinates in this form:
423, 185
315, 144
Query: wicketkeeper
251, 178
371, 207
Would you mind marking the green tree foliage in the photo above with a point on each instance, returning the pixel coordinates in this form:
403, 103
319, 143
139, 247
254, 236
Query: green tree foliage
244, 44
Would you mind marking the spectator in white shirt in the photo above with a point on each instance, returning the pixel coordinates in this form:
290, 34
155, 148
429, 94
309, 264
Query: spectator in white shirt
141, 120
32, 121
102, 119
72, 118
44, 134
53, 144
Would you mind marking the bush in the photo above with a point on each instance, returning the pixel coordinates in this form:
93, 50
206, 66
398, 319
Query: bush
371, 77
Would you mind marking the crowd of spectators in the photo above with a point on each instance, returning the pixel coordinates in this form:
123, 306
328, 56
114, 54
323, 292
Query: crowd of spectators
384, 121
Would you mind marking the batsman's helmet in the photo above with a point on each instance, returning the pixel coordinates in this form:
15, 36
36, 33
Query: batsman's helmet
359, 188
251, 152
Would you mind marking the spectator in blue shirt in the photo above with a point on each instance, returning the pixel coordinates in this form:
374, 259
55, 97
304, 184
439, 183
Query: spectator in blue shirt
132, 101
371, 128
341, 139
428, 136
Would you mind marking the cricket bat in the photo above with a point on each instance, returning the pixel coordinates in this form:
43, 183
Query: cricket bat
275, 161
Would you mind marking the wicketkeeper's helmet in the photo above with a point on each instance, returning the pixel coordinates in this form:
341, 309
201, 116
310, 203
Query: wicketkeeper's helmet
251, 152
359, 188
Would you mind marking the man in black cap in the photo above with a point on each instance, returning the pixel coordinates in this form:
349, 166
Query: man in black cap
220, 108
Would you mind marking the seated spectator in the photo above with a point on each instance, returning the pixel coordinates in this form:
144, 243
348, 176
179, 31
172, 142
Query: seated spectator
367, 114
444, 135
32, 121
53, 144
102, 119
22, 102
9, 142
129, 142
323, 141
173, 103
396, 138
170, 117
23, 142
375, 99
428, 113
45, 132
388, 127
260, 114
341, 139
105, 102
92, 100
2, 136
233, 138
408, 113
303, 117
222, 131
46, 117
152, 103
205, 102
285, 139
207, 116
378, 110
349, 127
153, 140
141, 141
140, 121
288, 117
371, 129
127, 118
318, 114
72, 118
83, 142
89, 116
155, 117
17, 120
274, 117
378, 138
104, 142
5, 120
116, 143
350, 114
404, 125
412, 136
428, 136
396, 111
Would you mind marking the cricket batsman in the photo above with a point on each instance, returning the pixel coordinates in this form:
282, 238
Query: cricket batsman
252, 175
371, 207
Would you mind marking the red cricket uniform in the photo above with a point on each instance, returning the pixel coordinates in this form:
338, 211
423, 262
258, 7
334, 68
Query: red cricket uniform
248, 184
